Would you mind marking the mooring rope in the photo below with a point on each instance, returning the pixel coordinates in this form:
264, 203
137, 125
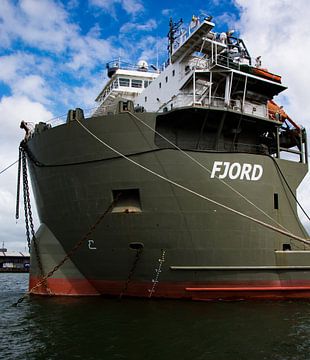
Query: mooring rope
281, 231
290, 189
9, 166
207, 169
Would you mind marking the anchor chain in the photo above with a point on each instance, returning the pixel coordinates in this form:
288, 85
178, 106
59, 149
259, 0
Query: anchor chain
131, 272
70, 253
155, 281
30, 233
27, 206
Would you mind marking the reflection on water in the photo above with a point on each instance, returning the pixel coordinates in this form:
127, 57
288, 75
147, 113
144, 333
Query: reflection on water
99, 328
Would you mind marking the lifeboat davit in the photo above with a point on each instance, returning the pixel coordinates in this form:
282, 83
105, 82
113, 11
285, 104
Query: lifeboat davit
266, 74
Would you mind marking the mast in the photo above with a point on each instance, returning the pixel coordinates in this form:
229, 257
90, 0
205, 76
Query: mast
173, 30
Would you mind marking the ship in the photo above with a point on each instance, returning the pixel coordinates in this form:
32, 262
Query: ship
181, 184
14, 261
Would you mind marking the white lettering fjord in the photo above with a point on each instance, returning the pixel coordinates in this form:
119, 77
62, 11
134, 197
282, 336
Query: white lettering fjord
216, 168
245, 172
231, 173
224, 169
223, 176
257, 172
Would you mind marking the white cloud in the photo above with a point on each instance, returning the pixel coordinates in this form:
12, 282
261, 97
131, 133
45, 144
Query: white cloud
132, 7
227, 18
279, 33
72, 4
27, 75
83, 96
43, 24
13, 66
151, 46
32, 86
38, 75
148, 26
13, 109
90, 51
167, 12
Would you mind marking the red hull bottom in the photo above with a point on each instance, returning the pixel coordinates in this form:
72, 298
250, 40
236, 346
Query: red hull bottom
273, 290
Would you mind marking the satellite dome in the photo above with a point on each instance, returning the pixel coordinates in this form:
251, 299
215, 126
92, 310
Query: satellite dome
143, 65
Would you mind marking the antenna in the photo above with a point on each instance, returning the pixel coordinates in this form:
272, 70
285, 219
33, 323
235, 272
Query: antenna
173, 29
156, 55
3, 248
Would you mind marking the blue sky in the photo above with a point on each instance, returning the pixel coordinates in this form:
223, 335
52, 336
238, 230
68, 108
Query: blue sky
53, 55
58, 45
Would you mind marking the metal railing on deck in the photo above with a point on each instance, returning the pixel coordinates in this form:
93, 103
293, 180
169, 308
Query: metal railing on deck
119, 64
186, 99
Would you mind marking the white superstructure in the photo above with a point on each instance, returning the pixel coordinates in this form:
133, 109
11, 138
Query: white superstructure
204, 69
126, 83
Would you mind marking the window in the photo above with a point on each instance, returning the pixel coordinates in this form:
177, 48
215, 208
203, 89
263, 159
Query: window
160, 85
147, 83
166, 79
136, 83
173, 72
145, 99
115, 84
123, 82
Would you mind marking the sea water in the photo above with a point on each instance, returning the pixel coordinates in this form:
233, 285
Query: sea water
100, 328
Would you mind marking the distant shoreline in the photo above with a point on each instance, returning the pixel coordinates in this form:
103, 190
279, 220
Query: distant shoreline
8, 270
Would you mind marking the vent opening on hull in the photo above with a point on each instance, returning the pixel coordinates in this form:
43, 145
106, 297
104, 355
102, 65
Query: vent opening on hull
126, 201
286, 247
276, 201
136, 245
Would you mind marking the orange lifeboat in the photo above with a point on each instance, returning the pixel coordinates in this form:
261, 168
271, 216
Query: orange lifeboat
277, 113
266, 74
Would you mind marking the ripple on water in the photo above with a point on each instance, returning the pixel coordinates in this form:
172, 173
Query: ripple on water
99, 328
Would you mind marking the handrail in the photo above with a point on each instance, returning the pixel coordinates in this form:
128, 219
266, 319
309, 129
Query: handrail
186, 99
118, 64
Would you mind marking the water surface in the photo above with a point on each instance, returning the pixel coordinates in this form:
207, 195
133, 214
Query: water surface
100, 328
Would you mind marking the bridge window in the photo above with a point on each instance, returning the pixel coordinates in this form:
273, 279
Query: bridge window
123, 82
136, 83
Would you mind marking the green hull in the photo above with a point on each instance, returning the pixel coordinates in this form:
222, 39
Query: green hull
160, 240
